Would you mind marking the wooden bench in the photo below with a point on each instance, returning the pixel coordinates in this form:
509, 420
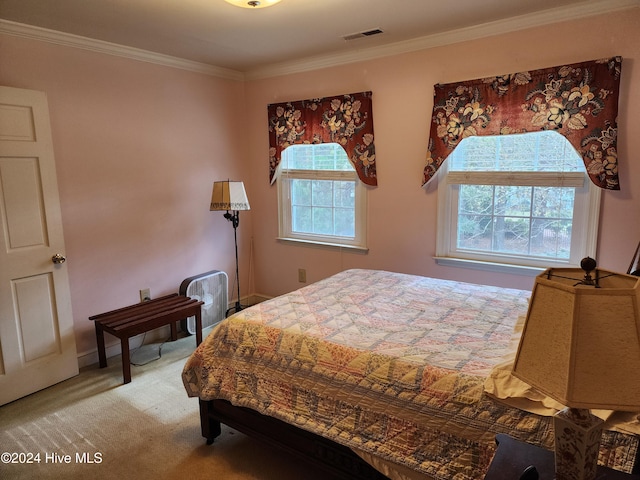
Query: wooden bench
133, 320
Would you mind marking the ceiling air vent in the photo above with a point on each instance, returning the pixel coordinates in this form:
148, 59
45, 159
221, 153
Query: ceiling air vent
368, 33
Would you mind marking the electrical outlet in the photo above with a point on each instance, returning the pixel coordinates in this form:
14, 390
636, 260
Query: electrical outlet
145, 294
302, 275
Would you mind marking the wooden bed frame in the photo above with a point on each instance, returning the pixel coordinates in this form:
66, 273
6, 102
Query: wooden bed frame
335, 459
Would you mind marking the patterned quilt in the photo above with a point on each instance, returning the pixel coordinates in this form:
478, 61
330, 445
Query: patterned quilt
386, 363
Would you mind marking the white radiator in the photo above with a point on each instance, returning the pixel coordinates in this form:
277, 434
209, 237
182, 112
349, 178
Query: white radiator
211, 288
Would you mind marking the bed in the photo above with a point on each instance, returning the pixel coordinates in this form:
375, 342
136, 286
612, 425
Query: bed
375, 374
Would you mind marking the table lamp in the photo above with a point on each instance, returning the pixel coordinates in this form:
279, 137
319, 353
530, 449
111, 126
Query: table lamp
230, 195
581, 346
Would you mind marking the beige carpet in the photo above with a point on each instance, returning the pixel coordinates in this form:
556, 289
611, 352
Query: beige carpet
147, 429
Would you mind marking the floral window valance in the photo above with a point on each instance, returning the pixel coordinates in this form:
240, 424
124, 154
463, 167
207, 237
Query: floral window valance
579, 101
346, 120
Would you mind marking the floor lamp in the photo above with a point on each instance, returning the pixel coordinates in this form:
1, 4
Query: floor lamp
229, 195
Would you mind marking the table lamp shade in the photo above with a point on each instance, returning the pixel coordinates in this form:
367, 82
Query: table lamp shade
581, 343
229, 195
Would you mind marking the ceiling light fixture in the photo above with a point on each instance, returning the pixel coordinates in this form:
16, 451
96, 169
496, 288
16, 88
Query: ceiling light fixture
252, 3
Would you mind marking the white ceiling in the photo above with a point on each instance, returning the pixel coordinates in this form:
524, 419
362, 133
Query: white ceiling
215, 33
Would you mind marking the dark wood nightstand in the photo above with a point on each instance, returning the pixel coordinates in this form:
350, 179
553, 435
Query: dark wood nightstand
513, 457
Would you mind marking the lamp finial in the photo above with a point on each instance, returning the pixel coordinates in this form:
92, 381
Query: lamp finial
588, 264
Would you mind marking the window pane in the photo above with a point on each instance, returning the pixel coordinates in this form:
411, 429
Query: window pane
296, 157
345, 222
345, 194
323, 207
513, 200
301, 219
546, 151
474, 154
324, 156
515, 153
301, 192
511, 235
475, 232
551, 238
322, 193
323, 221
523, 221
476, 199
550, 202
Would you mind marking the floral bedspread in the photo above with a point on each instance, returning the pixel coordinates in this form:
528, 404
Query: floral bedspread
387, 363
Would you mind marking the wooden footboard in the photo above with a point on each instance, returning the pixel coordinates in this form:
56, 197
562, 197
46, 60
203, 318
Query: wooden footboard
334, 458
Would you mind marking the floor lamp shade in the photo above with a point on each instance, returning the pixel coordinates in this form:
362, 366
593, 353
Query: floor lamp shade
580, 344
229, 195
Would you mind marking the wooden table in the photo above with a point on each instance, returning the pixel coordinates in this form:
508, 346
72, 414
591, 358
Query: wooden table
513, 456
133, 320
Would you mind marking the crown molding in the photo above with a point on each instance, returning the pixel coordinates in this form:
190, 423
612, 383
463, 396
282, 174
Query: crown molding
554, 15
108, 48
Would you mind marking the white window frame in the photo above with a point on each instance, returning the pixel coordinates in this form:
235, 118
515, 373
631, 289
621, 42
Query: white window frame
585, 220
285, 230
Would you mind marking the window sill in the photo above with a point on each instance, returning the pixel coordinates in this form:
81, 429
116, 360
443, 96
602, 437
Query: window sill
324, 244
489, 266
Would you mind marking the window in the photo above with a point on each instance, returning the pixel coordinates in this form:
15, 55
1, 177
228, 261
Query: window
320, 198
519, 200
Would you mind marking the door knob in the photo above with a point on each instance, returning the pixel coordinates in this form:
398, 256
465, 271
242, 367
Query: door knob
58, 258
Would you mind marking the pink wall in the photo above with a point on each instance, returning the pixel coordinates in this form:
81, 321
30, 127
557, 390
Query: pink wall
138, 146
402, 215
137, 149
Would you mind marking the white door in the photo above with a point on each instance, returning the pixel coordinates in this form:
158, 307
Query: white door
37, 343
